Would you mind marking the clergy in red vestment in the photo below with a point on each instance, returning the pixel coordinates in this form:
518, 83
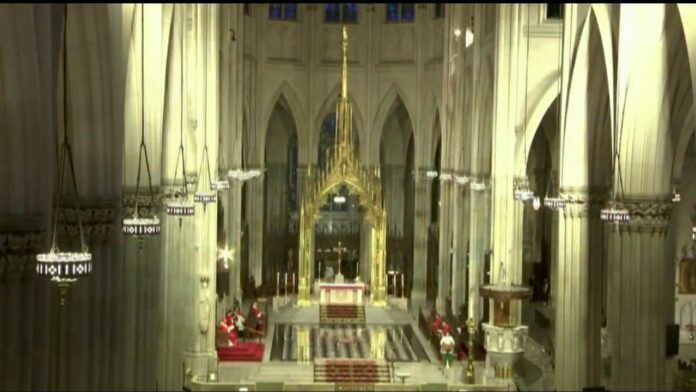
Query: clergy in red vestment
227, 326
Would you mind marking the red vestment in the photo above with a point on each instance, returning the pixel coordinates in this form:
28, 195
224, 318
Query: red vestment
227, 325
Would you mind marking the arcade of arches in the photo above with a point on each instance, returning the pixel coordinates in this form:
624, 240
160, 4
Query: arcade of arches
536, 164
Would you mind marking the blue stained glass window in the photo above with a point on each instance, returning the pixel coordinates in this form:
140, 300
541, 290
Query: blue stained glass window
439, 10
275, 10
282, 11
332, 13
350, 13
392, 12
401, 12
290, 11
407, 12
341, 12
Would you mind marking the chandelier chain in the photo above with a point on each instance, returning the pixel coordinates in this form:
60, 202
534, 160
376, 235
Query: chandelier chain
66, 151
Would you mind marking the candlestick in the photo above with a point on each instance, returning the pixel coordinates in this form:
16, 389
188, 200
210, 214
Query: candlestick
286, 284
402, 285
278, 284
293, 282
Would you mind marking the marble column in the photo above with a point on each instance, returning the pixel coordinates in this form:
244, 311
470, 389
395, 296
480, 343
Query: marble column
478, 234
635, 313
255, 201
461, 238
420, 240
579, 293
231, 123
506, 214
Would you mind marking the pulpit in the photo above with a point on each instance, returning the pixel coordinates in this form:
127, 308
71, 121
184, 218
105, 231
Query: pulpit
341, 293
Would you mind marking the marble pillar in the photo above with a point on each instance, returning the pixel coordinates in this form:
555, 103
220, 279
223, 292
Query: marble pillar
579, 293
446, 247
635, 314
479, 227
461, 239
255, 201
420, 240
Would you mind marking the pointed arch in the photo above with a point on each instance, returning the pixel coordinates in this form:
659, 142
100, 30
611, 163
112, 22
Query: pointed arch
383, 111
549, 93
293, 104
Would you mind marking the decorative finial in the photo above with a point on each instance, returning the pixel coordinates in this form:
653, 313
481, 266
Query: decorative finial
344, 78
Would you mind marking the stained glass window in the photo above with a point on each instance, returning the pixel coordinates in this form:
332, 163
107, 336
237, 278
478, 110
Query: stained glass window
401, 12
282, 11
341, 12
554, 11
439, 10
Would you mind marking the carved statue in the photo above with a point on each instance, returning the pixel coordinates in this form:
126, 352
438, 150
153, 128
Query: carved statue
203, 309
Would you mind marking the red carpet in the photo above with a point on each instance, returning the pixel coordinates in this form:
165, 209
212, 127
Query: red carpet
241, 352
343, 314
351, 371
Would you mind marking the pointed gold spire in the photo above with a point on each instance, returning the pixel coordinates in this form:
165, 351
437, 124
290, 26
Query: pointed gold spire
344, 76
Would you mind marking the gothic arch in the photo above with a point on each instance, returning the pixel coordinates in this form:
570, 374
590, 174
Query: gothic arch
549, 93
383, 111
586, 132
294, 106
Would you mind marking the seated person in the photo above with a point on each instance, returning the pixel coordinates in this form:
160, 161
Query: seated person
258, 314
239, 319
227, 326
437, 324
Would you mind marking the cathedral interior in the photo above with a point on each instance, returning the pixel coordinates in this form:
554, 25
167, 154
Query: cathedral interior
345, 196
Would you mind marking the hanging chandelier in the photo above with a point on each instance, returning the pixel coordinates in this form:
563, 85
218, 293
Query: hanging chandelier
137, 225
556, 202
207, 194
181, 204
65, 268
243, 175
522, 190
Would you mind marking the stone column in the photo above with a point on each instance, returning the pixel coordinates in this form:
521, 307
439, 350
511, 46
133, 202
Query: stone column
444, 272
201, 356
255, 200
478, 234
420, 239
579, 293
506, 212
636, 282
461, 238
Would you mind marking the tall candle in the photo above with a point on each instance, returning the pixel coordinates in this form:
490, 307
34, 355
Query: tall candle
286, 284
293, 282
402, 285
277, 283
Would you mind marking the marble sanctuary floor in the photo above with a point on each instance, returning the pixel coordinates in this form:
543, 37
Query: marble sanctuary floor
416, 357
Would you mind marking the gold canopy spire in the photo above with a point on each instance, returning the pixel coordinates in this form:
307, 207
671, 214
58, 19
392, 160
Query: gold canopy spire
344, 76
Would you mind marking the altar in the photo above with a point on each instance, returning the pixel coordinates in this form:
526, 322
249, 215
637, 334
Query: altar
341, 293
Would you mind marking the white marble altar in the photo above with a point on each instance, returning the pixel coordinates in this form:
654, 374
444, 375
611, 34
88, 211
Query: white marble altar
341, 293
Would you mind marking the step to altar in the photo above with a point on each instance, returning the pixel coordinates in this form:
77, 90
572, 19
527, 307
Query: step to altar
242, 351
344, 314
